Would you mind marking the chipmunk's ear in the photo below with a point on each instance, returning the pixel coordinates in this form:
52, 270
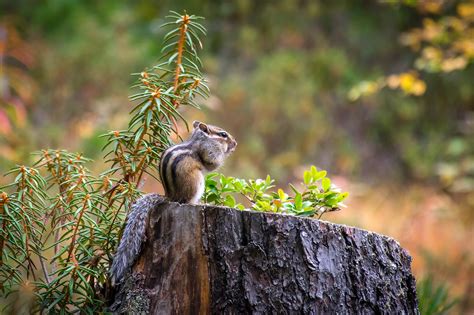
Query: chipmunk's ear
200, 125
196, 124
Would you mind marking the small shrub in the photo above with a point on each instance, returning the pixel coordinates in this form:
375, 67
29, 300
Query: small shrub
317, 196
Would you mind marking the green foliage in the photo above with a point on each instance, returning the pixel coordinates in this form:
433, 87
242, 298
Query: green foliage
433, 299
59, 223
175, 81
316, 197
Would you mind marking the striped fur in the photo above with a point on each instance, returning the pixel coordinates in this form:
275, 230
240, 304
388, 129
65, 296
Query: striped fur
167, 160
182, 166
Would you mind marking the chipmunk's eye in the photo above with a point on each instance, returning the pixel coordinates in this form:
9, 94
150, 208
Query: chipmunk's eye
223, 134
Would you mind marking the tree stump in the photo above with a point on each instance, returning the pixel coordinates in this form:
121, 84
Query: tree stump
200, 259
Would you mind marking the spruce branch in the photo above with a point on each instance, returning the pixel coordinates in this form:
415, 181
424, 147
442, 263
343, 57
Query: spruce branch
68, 220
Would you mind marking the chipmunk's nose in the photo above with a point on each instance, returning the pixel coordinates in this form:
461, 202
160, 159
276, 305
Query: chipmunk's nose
232, 146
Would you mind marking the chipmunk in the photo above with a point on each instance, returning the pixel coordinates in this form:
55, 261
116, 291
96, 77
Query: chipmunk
182, 169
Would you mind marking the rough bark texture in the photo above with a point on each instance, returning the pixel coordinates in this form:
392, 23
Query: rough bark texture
215, 260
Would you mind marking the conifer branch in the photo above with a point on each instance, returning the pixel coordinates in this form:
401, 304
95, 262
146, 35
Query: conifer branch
85, 213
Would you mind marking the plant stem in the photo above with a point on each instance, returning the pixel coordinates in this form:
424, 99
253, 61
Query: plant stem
45, 271
4, 200
73, 240
182, 38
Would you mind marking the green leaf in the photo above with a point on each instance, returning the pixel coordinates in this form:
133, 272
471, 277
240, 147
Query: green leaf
298, 201
238, 186
307, 177
306, 213
212, 198
319, 175
268, 180
282, 195
326, 184
173, 56
342, 196
229, 201
294, 189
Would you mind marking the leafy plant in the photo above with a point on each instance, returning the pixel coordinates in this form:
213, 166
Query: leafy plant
433, 298
59, 223
442, 45
317, 196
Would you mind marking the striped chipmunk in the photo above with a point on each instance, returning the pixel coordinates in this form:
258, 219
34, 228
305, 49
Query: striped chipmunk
182, 170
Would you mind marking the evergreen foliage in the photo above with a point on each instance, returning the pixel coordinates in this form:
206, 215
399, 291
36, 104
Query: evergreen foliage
59, 223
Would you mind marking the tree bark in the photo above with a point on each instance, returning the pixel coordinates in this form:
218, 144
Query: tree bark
216, 260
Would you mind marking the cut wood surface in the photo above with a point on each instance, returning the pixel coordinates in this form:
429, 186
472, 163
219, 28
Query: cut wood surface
216, 260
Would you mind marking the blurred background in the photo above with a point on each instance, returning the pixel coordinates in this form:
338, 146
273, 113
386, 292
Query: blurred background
378, 93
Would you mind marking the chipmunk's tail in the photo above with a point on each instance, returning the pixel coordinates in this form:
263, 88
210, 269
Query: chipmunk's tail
133, 236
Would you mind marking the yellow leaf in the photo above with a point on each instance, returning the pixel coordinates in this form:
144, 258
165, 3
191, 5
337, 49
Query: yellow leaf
432, 53
410, 84
452, 64
418, 88
393, 81
431, 6
406, 81
466, 10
